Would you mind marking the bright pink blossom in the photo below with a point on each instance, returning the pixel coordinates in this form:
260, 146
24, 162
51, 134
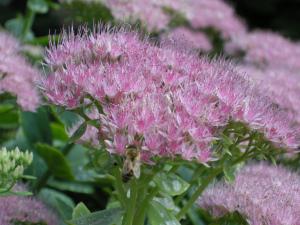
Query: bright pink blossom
158, 94
16, 75
264, 194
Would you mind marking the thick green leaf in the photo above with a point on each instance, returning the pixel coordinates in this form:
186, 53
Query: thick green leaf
78, 160
104, 217
39, 6
72, 186
80, 210
36, 126
159, 215
9, 119
15, 25
168, 202
59, 201
55, 160
171, 183
79, 132
59, 132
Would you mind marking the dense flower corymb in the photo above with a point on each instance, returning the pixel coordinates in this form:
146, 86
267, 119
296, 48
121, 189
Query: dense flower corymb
186, 38
156, 15
175, 101
282, 84
264, 194
266, 48
16, 75
25, 209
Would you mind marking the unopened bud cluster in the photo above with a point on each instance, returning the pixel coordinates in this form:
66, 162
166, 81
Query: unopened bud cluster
12, 165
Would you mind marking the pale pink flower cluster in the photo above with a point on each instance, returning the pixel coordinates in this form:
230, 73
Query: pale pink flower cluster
199, 13
216, 14
25, 209
148, 12
266, 48
188, 39
282, 85
264, 194
273, 61
168, 102
16, 75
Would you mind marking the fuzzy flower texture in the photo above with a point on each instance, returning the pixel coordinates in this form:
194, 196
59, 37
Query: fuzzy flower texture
16, 75
265, 195
175, 101
25, 209
198, 13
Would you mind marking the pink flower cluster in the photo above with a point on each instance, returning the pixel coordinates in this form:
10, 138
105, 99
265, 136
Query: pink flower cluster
264, 194
199, 13
216, 14
188, 39
273, 61
282, 85
25, 209
175, 103
266, 48
16, 75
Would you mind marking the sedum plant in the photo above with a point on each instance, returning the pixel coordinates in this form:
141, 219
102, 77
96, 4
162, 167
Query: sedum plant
147, 110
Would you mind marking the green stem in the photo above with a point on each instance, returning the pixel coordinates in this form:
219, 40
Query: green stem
28, 23
119, 187
131, 207
140, 214
197, 193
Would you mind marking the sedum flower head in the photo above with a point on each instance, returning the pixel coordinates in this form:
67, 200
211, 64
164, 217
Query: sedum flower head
16, 75
23, 209
281, 84
264, 194
189, 39
167, 102
12, 165
156, 15
266, 48
216, 14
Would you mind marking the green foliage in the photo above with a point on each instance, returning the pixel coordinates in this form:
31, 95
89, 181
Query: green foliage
9, 117
159, 215
36, 126
56, 161
78, 133
38, 6
80, 210
170, 184
59, 201
104, 217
